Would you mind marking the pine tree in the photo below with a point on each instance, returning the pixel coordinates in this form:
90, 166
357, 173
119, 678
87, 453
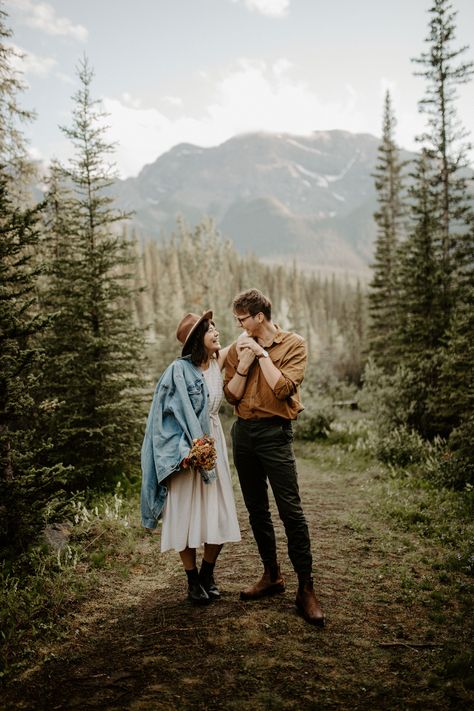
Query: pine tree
431, 263
17, 168
389, 218
95, 351
457, 402
421, 320
20, 414
456, 392
26, 482
444, 139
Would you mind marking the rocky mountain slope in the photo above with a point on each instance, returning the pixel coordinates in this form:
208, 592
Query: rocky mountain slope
309, 198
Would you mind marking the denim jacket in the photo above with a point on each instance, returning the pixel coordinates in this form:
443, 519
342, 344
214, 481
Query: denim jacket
178, 414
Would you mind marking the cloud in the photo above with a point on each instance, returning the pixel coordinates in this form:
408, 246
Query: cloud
28, 63
173, 100
254, 96
272, 8
42, 16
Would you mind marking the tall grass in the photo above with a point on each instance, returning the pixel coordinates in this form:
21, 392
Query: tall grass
39, 587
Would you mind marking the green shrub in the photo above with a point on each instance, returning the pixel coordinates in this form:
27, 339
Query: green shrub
353, 432
32, 593
449, 469
401, 447
314, 423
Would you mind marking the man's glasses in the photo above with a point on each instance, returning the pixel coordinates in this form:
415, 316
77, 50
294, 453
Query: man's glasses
240, 319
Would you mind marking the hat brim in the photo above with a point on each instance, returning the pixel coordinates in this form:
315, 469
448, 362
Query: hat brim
206, 315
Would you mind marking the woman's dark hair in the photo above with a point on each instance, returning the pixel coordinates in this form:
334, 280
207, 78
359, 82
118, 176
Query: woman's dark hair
195, 346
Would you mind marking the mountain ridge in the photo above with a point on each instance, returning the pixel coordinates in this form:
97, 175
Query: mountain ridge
281, 196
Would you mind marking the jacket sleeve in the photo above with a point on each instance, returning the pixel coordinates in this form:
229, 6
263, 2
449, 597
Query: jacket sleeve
152, 500
231, 364
153, 494
292, 370
175, 423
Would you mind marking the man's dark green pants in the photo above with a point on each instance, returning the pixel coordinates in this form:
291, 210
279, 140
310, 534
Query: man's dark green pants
263, 453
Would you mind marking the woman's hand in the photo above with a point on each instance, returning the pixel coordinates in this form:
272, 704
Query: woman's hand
246, 358
238, 344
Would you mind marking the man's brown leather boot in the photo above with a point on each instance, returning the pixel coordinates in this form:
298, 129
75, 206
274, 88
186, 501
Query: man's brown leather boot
270, 583
307, 604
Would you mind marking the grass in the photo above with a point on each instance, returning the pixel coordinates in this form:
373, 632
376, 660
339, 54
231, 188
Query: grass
35, 593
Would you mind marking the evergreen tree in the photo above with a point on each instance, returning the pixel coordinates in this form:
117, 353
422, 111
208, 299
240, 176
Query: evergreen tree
430, 265
22, 478
389, 219
26, 482
95, 351
17, 169
456, 392
457, 383
421, 320
444, 139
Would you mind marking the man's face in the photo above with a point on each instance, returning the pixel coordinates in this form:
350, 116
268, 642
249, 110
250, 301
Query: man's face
248, 323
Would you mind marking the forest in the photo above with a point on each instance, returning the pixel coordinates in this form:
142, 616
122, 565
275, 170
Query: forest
88, 316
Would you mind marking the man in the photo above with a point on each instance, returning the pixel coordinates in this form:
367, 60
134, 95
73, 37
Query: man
263, 372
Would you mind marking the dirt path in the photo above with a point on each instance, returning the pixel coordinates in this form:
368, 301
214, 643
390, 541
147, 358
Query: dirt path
138, 645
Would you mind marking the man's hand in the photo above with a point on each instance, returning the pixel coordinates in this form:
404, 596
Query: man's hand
246, 358
246, 342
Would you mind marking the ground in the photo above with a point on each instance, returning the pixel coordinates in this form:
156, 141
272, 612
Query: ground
395, 636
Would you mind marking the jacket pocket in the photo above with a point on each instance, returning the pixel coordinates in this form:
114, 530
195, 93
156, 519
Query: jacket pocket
195, 392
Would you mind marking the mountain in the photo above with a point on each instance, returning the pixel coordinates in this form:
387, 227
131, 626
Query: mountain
308, 198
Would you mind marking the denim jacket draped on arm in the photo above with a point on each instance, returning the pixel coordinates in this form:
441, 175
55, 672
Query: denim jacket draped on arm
178, 414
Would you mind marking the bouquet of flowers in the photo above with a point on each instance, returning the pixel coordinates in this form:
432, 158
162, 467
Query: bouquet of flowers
202, 454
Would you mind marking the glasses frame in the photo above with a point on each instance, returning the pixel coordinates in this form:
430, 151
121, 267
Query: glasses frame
241, 321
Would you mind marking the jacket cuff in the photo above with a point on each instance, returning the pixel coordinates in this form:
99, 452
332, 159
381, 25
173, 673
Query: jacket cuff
149, 522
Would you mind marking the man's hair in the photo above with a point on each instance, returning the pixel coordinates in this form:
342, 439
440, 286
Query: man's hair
254, 302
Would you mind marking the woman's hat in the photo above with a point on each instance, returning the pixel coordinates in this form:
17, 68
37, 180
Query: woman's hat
188, 325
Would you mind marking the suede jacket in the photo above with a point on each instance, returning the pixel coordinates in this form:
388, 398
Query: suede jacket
178, 414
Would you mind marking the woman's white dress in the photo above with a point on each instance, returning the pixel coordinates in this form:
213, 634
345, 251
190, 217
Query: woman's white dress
196, 513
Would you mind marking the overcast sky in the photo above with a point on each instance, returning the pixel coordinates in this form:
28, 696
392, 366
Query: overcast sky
201, 71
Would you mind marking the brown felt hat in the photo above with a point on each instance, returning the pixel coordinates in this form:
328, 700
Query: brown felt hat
188, 325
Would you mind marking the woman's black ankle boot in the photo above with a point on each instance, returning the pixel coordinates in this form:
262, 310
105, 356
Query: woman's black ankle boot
206, 576
197, 595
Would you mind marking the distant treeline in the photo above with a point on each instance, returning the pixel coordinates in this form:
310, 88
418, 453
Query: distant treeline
196, 269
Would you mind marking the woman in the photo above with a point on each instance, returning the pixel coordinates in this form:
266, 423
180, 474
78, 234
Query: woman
197, 505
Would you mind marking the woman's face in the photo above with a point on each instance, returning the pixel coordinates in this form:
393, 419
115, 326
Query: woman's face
211, 339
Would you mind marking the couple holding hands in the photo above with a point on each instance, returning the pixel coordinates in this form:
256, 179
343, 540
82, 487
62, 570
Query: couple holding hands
185, 469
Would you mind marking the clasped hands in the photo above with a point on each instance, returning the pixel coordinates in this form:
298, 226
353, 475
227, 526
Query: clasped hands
247, 350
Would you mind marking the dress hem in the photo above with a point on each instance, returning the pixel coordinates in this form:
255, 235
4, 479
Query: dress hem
200, 545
